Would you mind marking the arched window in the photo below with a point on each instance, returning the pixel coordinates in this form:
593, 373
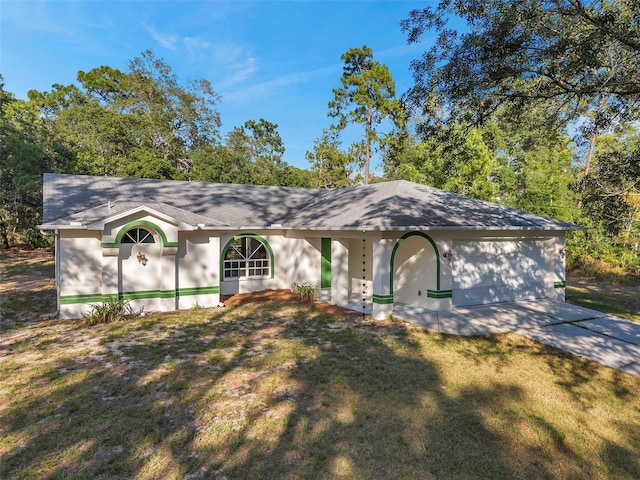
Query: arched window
246, 257
138, 235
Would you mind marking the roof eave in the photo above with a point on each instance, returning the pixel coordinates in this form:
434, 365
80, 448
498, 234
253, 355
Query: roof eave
379, 228
64, 226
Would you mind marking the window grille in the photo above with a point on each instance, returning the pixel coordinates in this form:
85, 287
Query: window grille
138, 235
246, 257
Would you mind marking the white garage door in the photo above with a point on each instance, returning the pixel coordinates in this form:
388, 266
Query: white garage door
498, 271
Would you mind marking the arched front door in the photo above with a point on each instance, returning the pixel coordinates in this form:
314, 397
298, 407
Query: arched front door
415, 269
139, 267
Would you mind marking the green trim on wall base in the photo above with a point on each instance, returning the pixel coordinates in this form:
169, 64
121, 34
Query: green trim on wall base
86, 298
139, 295
325, 263
139, 223
440, 293
188, 291
383, 299
147, 294
560, 284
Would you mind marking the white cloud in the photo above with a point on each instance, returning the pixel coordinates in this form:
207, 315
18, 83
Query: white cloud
238, 63
38, 17
176, 42
194, 43
265, 88
240, 71
167, 41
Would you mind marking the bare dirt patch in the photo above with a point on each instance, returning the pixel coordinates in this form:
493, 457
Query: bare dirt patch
26, 270
257, 297
282, 295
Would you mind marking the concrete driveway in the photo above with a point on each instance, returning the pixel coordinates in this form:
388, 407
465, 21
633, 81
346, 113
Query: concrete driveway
609, 340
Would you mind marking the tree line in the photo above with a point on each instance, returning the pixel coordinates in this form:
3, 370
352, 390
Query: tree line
533, 105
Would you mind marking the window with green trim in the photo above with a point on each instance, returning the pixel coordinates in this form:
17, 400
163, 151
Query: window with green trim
246, 257
138, 235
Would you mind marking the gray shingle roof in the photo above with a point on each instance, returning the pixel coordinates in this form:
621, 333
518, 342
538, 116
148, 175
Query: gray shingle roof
398, 205
220, 204
402, 205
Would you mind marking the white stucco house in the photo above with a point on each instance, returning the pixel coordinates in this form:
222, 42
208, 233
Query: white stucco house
166, 245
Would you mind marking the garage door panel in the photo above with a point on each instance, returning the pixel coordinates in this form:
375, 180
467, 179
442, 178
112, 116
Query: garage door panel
498, 271
482, 295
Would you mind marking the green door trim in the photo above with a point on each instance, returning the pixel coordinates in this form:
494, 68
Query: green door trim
435, 248
325, 263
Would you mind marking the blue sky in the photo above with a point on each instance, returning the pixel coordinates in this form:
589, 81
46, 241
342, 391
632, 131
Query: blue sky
277, 60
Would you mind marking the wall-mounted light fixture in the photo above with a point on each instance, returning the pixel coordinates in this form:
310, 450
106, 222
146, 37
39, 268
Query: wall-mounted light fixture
447, 255
142, 259
563, 251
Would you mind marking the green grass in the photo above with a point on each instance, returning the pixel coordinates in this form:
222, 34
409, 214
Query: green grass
285, 391
621, 298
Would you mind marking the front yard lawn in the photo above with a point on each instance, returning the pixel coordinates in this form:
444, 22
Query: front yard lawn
286, 390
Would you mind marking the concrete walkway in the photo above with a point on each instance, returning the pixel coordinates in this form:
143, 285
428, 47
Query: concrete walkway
609, 340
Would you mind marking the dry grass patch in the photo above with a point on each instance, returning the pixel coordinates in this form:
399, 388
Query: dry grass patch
27, 288
254, 393
621, 299
290, 391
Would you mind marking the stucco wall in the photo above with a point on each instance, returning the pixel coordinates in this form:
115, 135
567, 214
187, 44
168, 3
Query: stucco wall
295, 260
80, 267
189, 274
557, 271
80, 259
198, 269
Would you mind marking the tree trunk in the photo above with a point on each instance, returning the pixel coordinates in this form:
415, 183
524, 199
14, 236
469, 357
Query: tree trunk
3, 233
587, 167
367, 154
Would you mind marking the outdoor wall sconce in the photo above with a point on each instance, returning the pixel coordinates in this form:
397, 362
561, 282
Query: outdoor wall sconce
448, 255
563, 251
142, 259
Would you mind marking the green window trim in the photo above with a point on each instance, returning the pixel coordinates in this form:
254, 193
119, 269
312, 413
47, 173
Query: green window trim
245, 235
560, 284
139, 223
435, 248
325, 266
138, 295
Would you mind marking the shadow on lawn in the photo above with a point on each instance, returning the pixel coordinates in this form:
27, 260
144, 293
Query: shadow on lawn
250, 393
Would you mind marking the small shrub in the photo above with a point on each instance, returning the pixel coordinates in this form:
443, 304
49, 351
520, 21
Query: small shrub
108, 311
304, 291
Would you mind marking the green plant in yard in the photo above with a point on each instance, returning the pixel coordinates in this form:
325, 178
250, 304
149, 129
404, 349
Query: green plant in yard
304, 291
111, 310
392, 318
